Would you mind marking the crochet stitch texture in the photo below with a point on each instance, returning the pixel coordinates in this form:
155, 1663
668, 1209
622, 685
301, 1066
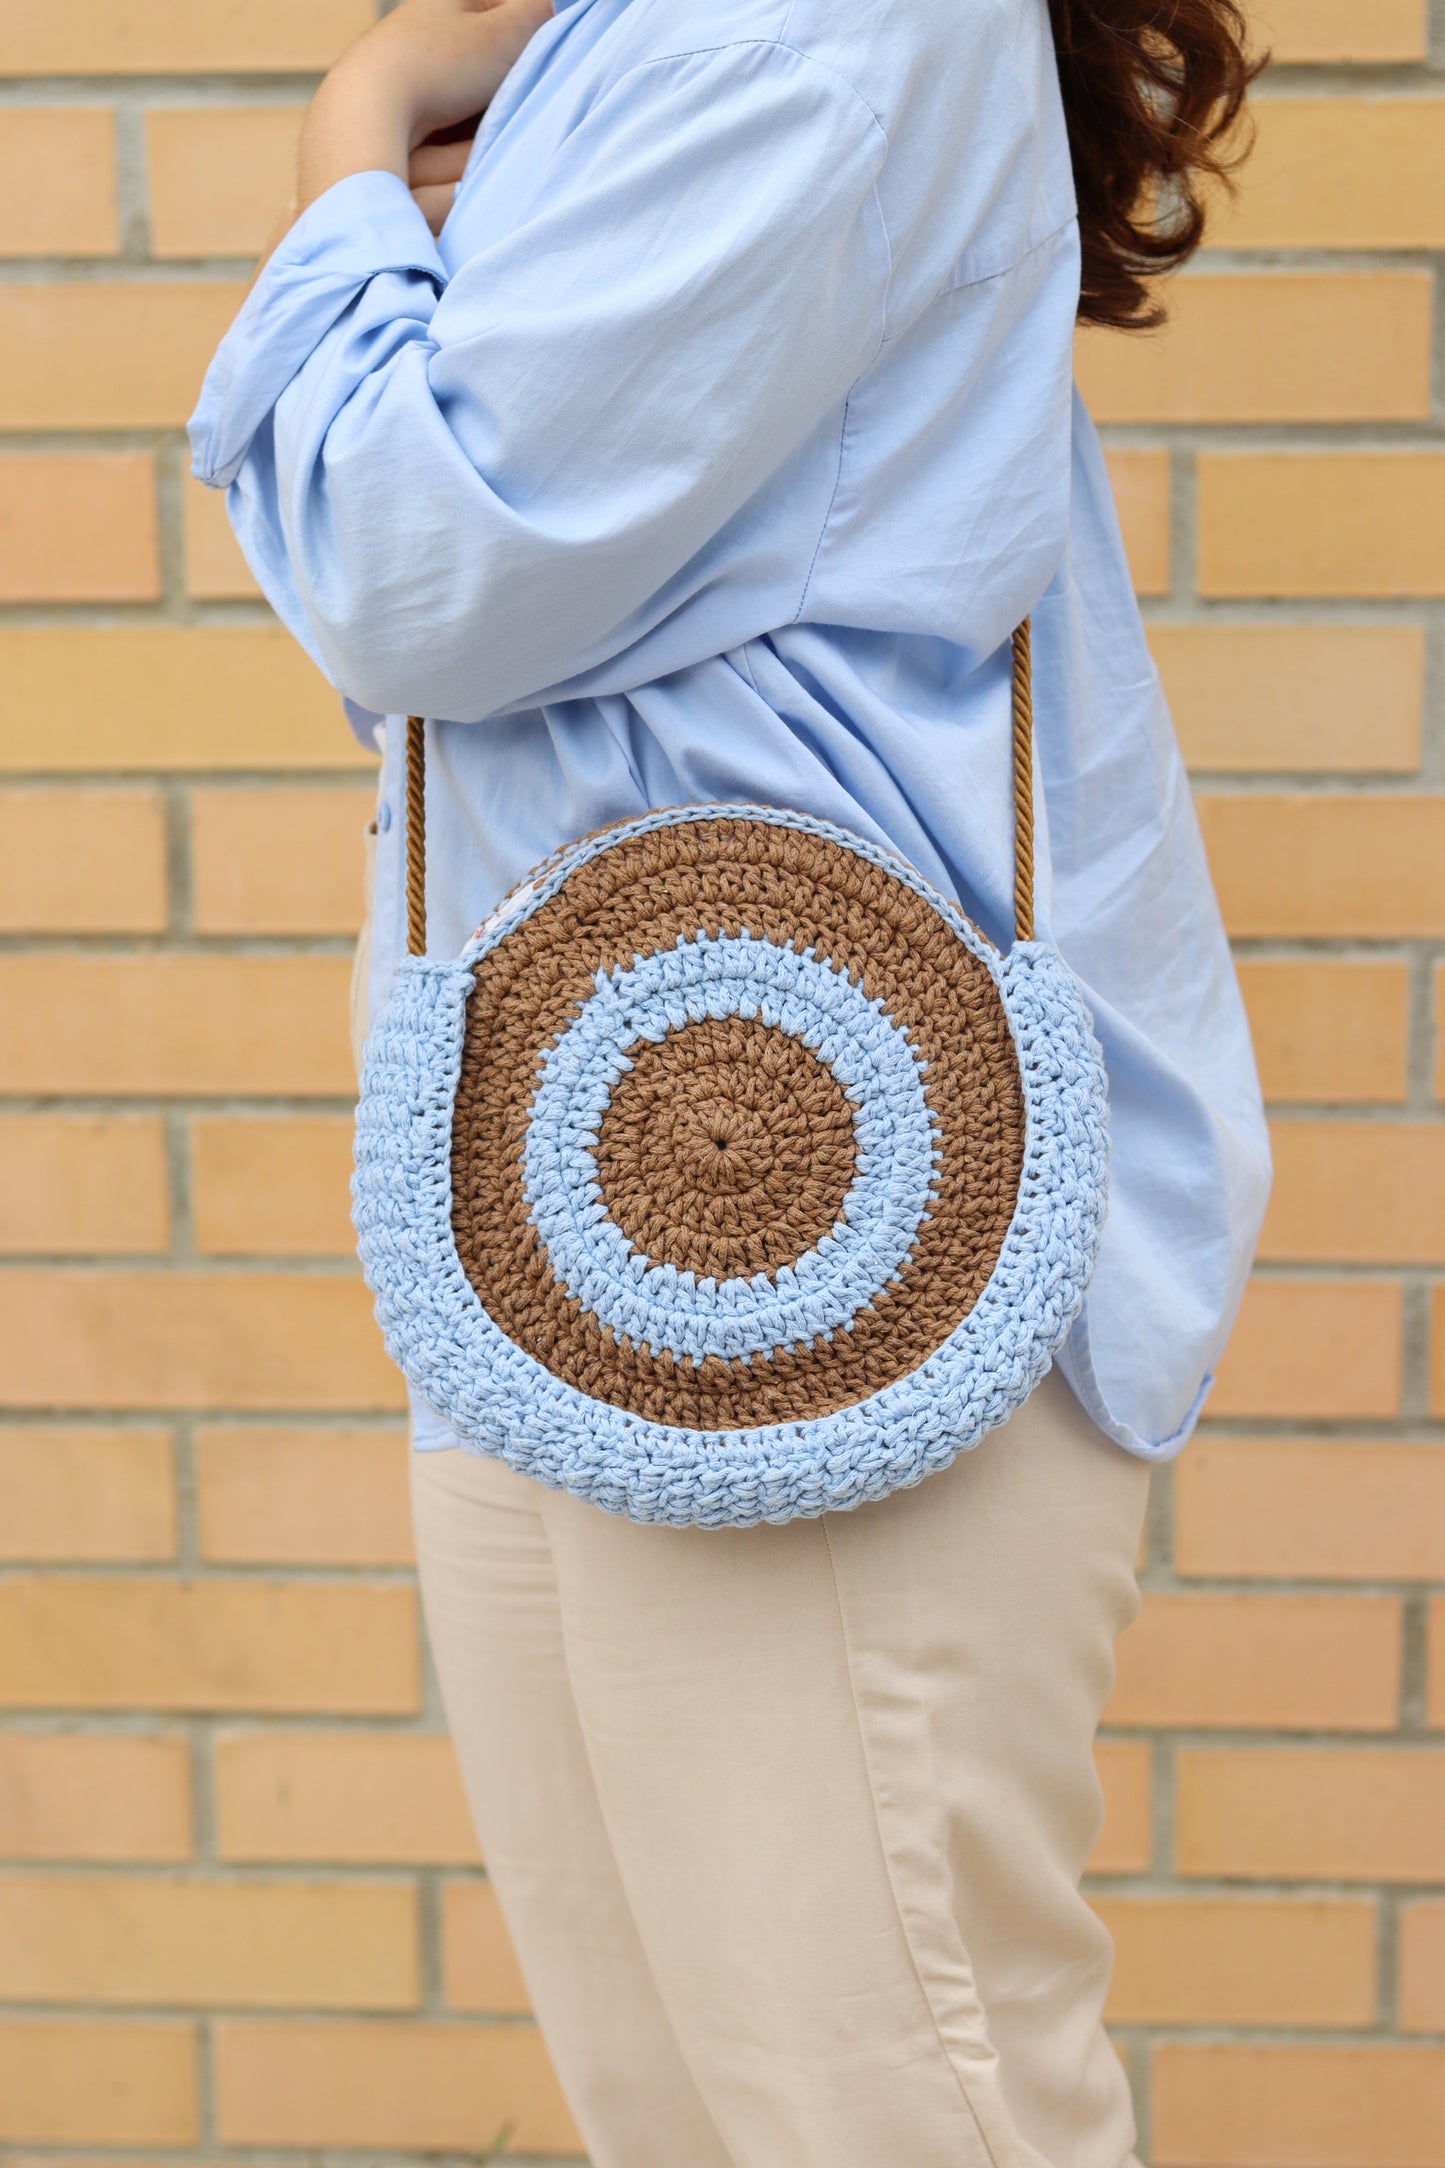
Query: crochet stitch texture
735, 1088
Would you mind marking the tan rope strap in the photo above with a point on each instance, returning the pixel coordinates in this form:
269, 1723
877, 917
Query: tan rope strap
1023, 795
415, 836
1023, 709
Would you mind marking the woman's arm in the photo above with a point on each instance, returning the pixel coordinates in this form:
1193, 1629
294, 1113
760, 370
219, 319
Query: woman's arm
367, 107
463, 490
424, 68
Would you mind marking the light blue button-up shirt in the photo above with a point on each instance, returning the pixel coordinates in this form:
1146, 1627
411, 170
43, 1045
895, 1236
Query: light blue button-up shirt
714, 452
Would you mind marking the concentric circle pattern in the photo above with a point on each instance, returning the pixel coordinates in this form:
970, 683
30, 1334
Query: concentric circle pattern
726, 1149
739, 1128
794, 998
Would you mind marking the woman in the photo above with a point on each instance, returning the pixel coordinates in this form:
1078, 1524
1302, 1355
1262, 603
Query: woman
713, 449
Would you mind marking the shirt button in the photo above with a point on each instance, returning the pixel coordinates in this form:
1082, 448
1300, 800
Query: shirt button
383, 817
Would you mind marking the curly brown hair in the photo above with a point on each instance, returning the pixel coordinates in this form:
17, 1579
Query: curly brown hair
1153, 91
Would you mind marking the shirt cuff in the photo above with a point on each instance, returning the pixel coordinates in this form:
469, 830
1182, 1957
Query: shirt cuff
1076, 1360
363, 225
365, 723
429, 1433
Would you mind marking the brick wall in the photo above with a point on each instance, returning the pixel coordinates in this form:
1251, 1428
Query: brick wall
240, 1907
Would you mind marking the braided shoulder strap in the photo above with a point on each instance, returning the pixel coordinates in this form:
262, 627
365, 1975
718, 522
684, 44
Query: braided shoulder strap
1023, 768
1023, 797
415, 835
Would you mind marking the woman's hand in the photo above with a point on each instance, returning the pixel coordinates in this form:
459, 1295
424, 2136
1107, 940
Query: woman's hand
420, 71
434, 170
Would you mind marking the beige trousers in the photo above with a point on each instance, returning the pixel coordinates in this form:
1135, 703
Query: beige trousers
787, 1824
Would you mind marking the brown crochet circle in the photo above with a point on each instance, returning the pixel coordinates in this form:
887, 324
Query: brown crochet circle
721, 878
726, 1150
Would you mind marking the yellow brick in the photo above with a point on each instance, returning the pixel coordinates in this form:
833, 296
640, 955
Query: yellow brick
1291, 2106
104, 1938
78, 527
272, 1184
423, 2087
84, 1491
108, 355
1363, 1192
1322, 523
83, 1182
1350, 868
1261, 698
1240, 1960
1313, 1349
272, 1496
219, 176
176, 1023
1435, 1664
364, 1798
74, 2081
1140, 482
1311, 1814
1328, 1029
279, 860
50, 2159
1437, 1352
86, 1338
1321, 30
116, 1642
1260, 1663
1325, 1509
57, 181
77, 1795
1422, 1967
180, 37
166, 696
215, 569
80, 860
479, 1965
1300, 346
1364, 172
1126, 1842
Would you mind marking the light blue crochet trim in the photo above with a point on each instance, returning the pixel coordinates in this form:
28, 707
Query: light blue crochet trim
658, 1306
499, 1399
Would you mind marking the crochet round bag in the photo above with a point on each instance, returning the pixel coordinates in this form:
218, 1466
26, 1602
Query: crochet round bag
729, 1173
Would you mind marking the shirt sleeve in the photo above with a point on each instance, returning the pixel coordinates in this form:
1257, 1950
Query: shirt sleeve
459, 494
